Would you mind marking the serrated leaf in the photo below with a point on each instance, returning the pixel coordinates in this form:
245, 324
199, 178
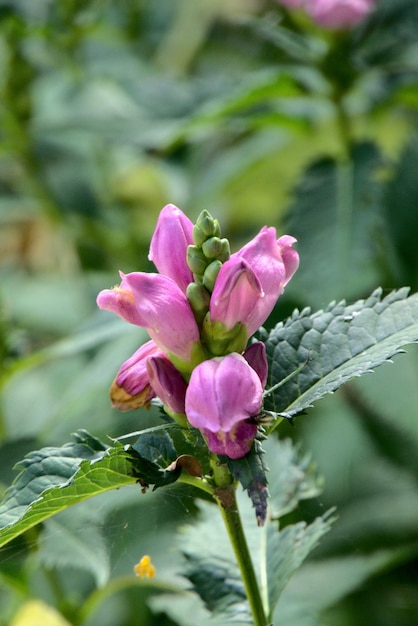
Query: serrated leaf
157, 447
55, 478
319, 585
287, 550
336, 345
293, 477
218, 583
275, 555
251, 473
211, 565
154, 453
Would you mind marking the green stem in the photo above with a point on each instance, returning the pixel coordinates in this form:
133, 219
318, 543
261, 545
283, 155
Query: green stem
200, 483
227, 502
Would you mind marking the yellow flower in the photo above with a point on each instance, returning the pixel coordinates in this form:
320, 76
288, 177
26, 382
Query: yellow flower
145, 567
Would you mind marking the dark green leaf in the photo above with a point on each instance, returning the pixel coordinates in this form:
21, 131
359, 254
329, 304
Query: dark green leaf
287, 550
251, 473
293, 477
157, 448
52, 479
336, 345
218, 583
336, 218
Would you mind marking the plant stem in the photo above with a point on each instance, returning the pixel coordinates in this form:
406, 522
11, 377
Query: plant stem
227, 502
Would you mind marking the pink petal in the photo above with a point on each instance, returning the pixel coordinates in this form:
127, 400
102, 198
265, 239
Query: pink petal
168, 250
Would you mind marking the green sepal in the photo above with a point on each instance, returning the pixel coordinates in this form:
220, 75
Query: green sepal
220, 340
198, 354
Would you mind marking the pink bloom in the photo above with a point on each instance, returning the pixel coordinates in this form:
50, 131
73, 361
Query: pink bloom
167, 382
131, 388
156, 303
249, 284
339, 14
223, 394
169, 242
255, 355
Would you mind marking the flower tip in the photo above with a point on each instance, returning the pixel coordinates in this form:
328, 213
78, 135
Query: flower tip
124, 401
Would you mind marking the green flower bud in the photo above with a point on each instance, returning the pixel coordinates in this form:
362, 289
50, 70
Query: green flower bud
208, 225
210, 275
212, 247
199, 299
198, 235
196, 260
225, 252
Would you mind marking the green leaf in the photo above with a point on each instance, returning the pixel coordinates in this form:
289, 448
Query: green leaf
293, 477
153, 453
336, 345
157, 448
321, 584
251, 473
287, 550
52, 479
336, 216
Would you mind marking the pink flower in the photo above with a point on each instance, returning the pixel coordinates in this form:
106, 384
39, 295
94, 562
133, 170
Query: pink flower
167, 382
250, 282
223, 395
339, 14
168, 250
255, 355
156, 303
131, 388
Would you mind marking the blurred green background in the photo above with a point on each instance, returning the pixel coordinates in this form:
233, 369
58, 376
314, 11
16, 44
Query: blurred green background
110, 110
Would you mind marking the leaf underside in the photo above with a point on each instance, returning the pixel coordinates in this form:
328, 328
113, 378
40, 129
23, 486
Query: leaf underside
335, 345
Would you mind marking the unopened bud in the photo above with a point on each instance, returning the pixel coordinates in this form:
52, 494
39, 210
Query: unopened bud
208, 225
198, 235
210, 275
212, 247
225, 252
196, 260
199, 299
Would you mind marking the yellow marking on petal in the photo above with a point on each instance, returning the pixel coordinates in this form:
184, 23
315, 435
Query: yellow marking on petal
123, 401
145, 567
126, 293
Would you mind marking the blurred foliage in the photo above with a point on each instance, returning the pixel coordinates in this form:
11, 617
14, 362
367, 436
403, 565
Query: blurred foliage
109, 110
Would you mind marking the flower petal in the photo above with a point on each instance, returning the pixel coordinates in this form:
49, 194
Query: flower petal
236, 291
255, 355
167, 382
173, 234
224, 392
131, 388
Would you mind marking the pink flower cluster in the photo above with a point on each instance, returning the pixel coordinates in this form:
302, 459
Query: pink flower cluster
200, 311
334, 14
